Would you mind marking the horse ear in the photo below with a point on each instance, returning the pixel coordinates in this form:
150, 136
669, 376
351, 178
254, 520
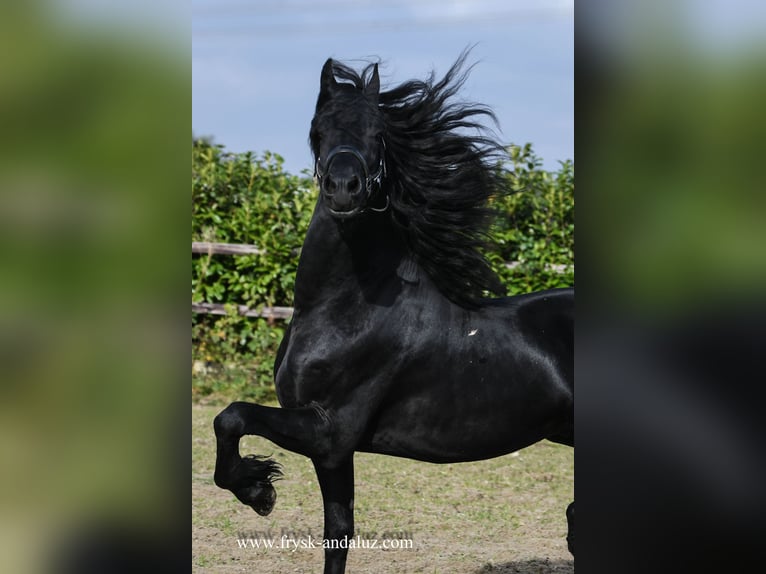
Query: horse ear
327, 82
372, 89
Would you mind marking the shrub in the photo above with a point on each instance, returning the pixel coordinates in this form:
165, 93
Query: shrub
535, 228
242, 198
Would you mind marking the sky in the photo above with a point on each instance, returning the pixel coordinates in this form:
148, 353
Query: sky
256, 65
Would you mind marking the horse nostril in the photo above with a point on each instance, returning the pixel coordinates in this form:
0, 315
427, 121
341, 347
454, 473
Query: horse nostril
354, 185
329, 185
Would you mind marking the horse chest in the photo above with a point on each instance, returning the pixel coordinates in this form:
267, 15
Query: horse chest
313, 365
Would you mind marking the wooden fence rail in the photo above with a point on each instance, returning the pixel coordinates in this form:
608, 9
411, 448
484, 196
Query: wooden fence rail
267, 312
226, 248
205, 247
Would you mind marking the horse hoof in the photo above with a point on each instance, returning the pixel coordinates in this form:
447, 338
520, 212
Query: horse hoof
260, 498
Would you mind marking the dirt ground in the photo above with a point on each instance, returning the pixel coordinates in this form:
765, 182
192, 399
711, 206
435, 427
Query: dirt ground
501, 516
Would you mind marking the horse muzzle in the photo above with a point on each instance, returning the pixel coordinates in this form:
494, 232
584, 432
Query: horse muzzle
346, 183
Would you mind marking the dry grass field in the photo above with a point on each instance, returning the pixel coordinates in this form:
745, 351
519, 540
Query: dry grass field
504, 515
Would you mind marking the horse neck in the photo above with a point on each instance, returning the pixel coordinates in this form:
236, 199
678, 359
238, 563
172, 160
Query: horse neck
345, 261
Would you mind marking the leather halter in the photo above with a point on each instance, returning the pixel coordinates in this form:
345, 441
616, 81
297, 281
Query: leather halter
369, 179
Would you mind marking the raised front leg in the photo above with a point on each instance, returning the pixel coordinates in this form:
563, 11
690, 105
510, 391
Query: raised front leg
337, 486
303, 430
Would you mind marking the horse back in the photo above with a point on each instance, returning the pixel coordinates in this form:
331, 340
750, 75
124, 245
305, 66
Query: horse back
547, 319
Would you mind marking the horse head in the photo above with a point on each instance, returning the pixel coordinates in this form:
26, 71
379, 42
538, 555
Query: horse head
347, 141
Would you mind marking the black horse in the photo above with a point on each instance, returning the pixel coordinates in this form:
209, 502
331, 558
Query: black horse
393, 347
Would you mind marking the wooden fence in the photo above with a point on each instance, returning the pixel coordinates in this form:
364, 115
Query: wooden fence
271, 313
205, 247
220, 309
226, 248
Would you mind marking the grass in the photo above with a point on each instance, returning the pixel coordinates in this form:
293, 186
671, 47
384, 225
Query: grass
502, 515
220, 385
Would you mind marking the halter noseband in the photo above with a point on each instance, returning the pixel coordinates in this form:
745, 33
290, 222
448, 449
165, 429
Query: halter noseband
369, 180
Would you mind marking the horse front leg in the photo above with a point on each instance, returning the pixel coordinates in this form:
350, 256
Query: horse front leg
304, 430
337, 484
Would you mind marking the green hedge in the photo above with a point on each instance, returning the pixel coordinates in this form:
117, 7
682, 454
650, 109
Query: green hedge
245, 198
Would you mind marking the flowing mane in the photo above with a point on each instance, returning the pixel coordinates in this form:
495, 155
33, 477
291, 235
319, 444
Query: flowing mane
442, 169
